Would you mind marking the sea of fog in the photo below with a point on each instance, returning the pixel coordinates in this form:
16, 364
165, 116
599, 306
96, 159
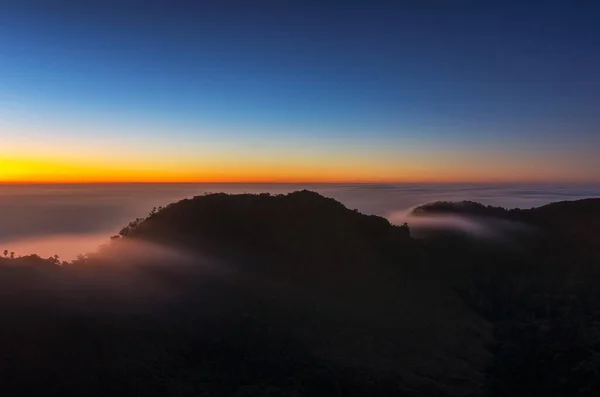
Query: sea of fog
70, 219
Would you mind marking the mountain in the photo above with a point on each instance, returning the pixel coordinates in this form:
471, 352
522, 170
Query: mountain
254, 295
243, 295
368, 302
572, 224
566, 213
301, 237
539, 289
467, 208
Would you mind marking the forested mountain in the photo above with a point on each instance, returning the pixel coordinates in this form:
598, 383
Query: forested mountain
298, 295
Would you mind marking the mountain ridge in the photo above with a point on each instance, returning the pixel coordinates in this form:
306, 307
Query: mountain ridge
307, 280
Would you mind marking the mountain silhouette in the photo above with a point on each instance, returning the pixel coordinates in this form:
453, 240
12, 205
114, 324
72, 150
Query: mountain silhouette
355, 273
298, 295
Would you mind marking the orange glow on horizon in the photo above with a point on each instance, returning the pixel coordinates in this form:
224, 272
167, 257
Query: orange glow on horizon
51, 171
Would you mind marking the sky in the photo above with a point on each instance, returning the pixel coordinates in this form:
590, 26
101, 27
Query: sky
299, 91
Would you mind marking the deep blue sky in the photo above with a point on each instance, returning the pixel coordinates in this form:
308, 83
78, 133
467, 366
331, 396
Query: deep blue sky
436, 90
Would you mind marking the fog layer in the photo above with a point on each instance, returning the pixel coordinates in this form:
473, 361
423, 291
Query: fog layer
70, 219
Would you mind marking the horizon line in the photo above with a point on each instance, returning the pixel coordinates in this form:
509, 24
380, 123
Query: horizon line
308, 182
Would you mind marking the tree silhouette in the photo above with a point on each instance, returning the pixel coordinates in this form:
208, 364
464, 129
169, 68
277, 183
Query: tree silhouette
12, 255
129, 228
5, 253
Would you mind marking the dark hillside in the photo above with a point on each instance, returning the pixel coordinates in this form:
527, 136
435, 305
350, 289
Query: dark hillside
246, 295
540, 292
358, 279
301, 235
297, 295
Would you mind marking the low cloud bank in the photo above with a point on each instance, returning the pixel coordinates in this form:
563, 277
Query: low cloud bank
493, 229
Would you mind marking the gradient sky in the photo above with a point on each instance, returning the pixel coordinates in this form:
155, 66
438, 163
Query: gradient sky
299, 91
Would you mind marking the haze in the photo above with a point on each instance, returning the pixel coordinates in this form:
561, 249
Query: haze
73, 219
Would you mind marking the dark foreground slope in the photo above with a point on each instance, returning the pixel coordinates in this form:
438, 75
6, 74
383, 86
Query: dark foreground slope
540, 291
247, 295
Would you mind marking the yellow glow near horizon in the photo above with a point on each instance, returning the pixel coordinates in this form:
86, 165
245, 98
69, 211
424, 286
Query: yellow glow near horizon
44, 152
23, 170
272, 162
45, 171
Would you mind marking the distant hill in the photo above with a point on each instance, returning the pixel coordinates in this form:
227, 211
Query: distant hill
577, 220
559, 212
470, 208
539, 289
